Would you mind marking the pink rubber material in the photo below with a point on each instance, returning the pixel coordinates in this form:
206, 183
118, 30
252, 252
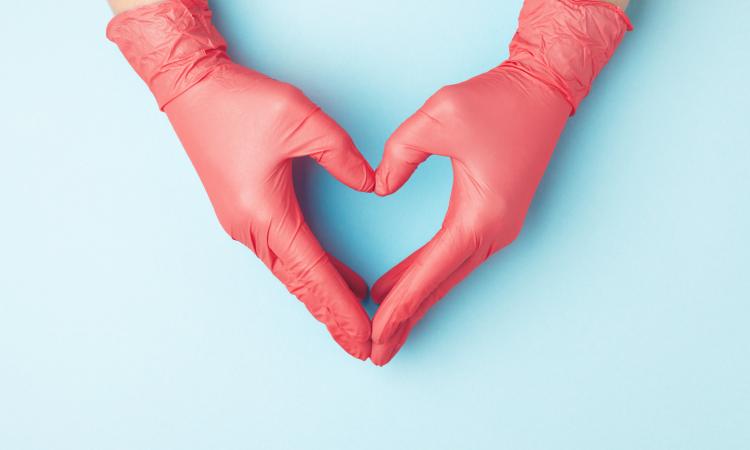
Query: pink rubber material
499, 129
566, 43
241, 131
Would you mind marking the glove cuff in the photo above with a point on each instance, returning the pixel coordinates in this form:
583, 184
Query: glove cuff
172, 45
566, 43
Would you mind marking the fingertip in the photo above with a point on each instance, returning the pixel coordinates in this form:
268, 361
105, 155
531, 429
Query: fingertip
368, 180
381, 190
392, 174
383, 353
360, 350
361, 292
364, 181
367, 176
385, 284
342, 313
384, 182
355, 346
385, 324
379, 291
359, 287
344, 161
381, 185
395, 312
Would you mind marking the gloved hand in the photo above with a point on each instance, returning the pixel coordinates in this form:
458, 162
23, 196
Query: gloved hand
241, 130
499, 129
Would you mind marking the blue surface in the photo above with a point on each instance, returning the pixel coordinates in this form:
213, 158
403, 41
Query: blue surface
619, 320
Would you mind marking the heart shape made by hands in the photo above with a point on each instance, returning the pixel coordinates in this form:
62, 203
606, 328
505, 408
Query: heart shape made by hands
242, 130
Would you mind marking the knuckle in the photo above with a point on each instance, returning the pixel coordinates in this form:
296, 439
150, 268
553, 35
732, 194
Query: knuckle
500, 220
512, 231
393, 144
395, 148
338, 138
288, 99
446, 101
238, 215
289, 91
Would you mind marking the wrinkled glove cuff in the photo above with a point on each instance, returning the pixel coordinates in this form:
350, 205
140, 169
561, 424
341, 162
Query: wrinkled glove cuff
172, 45
566, 43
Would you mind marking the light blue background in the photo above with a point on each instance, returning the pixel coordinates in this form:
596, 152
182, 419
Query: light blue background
619, 320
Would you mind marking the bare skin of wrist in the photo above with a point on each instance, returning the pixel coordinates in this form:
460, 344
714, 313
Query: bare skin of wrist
621, 3
119, 6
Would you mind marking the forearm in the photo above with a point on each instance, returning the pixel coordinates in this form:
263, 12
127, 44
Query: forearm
119, 6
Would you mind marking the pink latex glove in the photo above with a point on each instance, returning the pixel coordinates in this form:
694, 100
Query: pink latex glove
499, 129
241, 130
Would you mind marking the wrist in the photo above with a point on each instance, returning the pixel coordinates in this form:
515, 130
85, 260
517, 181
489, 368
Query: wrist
171, 44
120, 6
566, 43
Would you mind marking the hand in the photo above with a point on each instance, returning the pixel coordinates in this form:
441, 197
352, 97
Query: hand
241, 130
499, 129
